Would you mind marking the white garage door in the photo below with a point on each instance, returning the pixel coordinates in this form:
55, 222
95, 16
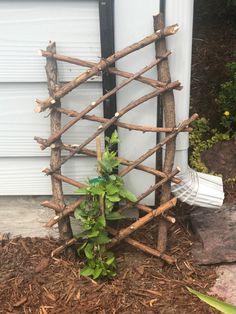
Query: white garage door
26, 27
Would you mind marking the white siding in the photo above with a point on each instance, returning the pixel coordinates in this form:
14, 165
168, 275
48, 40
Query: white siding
25, 27
19, 123
23, 176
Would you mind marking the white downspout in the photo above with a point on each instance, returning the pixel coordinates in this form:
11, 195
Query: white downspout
196, 188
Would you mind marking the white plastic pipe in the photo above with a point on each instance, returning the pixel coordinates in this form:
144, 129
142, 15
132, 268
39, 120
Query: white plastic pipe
196, 188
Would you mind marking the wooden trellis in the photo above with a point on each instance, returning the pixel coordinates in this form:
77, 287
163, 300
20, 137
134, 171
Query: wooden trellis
56, 92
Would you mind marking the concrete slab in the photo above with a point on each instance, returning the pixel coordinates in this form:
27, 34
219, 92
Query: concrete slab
23, 215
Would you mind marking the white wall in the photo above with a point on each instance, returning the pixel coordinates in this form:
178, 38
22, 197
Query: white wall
133, 21
25, 27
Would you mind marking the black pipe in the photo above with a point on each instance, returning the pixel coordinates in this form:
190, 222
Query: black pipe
106, 18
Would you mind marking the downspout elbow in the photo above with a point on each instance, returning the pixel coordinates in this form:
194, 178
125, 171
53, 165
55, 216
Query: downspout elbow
199, 189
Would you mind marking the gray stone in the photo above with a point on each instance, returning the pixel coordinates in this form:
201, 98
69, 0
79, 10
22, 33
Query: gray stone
225, 285
215, 230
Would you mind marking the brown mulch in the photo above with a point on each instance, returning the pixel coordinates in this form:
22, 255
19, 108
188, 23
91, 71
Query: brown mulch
214, 42
33, 282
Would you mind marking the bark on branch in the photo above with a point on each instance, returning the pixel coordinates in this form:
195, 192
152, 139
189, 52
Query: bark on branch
118, 115
69, 209
158, 146
51, 71
141, 222
101, 99
111, 70
144, 248
103, 64
168, 103
129, 126
123, 161
150, 190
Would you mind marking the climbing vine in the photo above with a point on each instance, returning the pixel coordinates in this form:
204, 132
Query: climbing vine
99, 206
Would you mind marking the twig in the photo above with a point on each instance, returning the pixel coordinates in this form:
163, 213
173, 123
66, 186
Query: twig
101, 99
63, 247
103, 64
117, 115
144, 248
123, 161
67, 211
150, 190
112, 70
158, 146
99, 158
129, 126
123, 233
64, 178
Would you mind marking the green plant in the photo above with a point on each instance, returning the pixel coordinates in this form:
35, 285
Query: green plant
101, 196
201, 139
217, 304
227, 101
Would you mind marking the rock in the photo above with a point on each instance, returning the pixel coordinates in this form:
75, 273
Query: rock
216, 234
225, 285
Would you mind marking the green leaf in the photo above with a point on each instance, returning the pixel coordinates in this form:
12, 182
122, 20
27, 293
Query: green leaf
102, 238
93, 234
97, 190
86, 271
109, 205
111, 189
112, 177
82, 191
217, 304
114, 216
113, 198
101, 221
97, 272
89, 251
114, 138
77, 213
128, 195
110, 260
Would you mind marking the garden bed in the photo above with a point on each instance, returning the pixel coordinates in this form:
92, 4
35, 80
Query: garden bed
33, 282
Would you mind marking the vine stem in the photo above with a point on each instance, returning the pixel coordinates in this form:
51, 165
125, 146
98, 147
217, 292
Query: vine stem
99, 158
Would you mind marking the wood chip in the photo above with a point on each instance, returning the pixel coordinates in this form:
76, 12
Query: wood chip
43, 264
20, 302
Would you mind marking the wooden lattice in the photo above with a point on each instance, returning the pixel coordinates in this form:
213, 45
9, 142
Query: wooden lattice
63, 211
